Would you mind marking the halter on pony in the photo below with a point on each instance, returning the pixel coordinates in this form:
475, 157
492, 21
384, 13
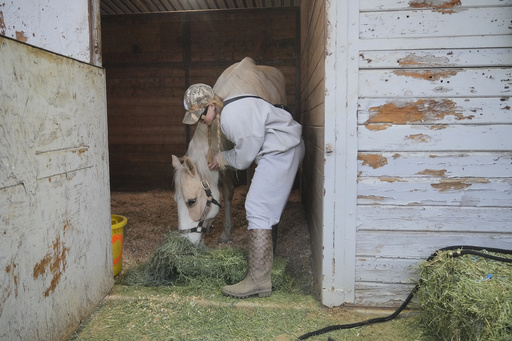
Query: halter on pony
199, 228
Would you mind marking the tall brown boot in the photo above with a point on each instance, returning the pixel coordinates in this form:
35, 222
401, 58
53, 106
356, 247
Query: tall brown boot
258, 280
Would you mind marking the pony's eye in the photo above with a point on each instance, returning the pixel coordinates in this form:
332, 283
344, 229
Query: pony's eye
191, 202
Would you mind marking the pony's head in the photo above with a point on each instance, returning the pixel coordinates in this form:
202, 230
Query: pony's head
196, 194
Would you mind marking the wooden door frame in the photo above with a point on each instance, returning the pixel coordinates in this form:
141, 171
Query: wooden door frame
340, 172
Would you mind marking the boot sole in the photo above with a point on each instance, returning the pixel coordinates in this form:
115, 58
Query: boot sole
260, 294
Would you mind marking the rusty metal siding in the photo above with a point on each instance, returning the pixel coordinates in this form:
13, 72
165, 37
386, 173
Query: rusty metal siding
434, 127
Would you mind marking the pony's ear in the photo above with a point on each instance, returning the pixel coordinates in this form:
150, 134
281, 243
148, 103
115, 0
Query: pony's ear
190, 167
176, 163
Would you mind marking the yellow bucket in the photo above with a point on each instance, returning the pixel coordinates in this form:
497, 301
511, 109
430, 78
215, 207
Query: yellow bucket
118, 222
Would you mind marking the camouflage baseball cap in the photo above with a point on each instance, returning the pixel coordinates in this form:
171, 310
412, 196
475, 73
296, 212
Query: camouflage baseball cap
196, 99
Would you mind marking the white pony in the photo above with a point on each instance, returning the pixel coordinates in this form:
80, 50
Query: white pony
196, 186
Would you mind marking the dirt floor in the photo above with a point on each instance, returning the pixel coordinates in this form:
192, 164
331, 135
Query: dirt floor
152, 214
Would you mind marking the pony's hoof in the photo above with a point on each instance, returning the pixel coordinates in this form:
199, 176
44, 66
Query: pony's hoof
224, 240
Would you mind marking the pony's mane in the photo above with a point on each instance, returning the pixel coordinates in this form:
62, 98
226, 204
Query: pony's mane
198, 146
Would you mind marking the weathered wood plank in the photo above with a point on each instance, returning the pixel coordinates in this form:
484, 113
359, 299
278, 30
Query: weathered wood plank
443, 6
435, 58
427, 23
257, 34
435, 138
438, 165
434, 219
465, 192
434, 127
415, 245
491, 82
370, 294
145, 138
386, 270
491, 110
141, 176
434, 43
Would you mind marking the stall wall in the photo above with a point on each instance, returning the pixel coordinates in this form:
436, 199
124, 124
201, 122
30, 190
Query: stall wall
55, 238
414, 153
151, 59
434, 125
69, 28
312, 94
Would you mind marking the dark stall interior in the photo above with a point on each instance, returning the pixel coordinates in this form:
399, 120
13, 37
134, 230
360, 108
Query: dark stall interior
151, 59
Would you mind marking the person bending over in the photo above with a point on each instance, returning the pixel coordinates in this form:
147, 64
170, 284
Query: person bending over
268, 136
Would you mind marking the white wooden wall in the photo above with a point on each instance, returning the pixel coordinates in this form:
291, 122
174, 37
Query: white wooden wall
55, 231
434, 136
417, 140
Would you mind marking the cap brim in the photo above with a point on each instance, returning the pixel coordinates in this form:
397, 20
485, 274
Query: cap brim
190, 118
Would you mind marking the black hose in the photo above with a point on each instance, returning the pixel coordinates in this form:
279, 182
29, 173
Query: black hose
460, 250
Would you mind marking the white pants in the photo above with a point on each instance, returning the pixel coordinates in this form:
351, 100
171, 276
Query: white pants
271, 186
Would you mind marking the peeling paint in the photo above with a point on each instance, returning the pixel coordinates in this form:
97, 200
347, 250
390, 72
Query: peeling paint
438, 127
429, 75
420, 111
390, 179
373, 160
442, 6
367, 60
377, 127
419, 137
371, 197
448, 185
433, 172
426, 60
20, 35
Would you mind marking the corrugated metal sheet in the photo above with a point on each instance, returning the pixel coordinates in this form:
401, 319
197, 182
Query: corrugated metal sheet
114, 7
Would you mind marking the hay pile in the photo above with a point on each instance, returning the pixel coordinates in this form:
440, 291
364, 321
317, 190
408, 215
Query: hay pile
178, 262
466, 298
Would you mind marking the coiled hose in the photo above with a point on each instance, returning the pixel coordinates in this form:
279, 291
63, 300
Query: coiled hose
460, 251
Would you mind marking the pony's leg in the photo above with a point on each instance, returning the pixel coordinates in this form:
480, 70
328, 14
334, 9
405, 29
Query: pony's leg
228, 190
